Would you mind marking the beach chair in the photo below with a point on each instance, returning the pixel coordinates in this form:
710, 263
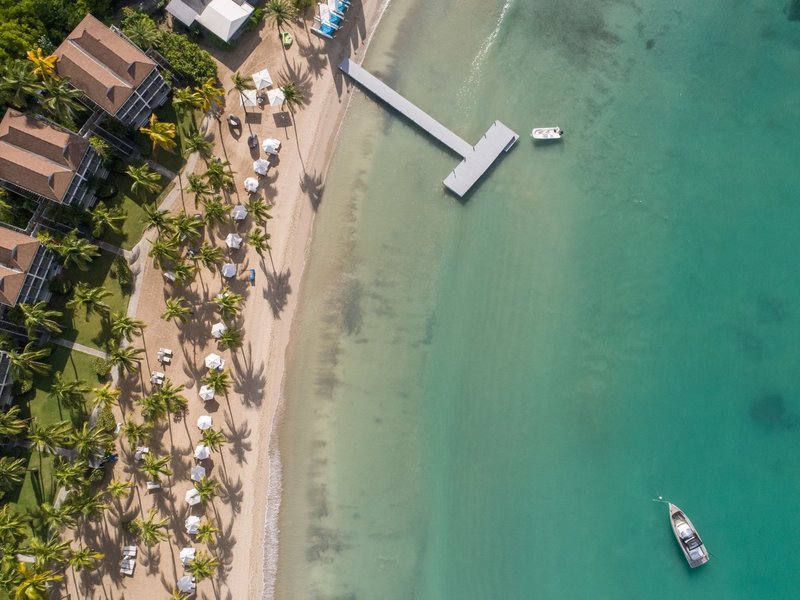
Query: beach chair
326, 16
166, 351
129, 551
323, 29
140, 452
153, 486
338, 7
127, 566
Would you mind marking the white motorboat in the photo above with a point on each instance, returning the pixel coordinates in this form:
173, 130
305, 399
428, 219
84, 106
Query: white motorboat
688, 539
547, 133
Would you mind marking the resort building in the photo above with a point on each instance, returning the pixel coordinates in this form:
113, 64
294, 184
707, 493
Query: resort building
40, 159
25, 268
223, 18
5, 379
113, 73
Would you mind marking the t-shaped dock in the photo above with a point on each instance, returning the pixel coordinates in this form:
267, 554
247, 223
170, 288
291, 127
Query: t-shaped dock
477, 159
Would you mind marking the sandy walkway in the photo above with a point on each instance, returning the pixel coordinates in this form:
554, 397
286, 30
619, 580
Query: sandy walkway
295, 185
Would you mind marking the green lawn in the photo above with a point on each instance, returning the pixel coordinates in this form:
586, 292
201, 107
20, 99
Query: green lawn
173, 160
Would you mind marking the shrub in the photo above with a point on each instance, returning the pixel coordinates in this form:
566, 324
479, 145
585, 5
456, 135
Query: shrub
122, 271
106, 420
186, 56
102, 367
60, 285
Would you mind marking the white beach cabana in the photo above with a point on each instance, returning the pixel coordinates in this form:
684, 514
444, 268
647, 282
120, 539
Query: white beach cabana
217, 329
224, 18
228, 270
192, 497
239, 212
192, 523
186, 584
234, 241
204, 422
271, 146
202, 452
198, 472
261, 166
276, 97
251, 184
186, 555
206, 393
214, 361
262, 79
249, 98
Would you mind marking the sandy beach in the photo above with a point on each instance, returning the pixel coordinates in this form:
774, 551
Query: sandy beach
247, 413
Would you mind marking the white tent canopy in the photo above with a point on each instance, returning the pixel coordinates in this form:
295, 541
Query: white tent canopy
186, 555
262, 79
249, 98
217, 329
202, 452
192, 523
224, 18
239, 212
261, 166
275, 97
204, 422
233, 240
198, 472
185, 14
214, 361
206, 393
251, 184
228, 270
192, 497
271, 146
186, 584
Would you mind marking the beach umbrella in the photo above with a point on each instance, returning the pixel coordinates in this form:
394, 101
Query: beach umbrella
186, 584
186, 555
192, 523
271, 146
214, 361
228, 270
192, 497
202, 452
204, 422
249, 98
198, 472
239, 213
233, 240
251, 184
275, 97
206, 393
261, 166
217, 329
262, 79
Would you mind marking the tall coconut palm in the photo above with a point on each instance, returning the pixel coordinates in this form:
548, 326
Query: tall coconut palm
60, 100
18, 83
164, 251
54, 518
106, 218
70, 394
34, 582
171, 396
13, 526
197, 143
292, 96
219, 381
215, 211
135, 433
106, 396
46, 439
214, 439
39, 316
11, 424
145, 180
202, 566
186, 99
161, 133
142, 32
199, 187
150, 530
118, 489
124, 326
48, 551
12, 472
279, 12
187, 228
71, 474
259, 241
152, 407
206, 532
27, 362
259, 210
156, 466
207, 489
209, 256
211, 93
90, 299
160, 220
84, 558
178, 595
184, 272
44, 66
219, 174
228, 303
127, 358
176, 309
87, 504
241, 84
231, 339
90, 440
75, 250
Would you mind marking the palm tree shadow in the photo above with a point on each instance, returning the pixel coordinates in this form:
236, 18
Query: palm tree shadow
277, 291
312, 185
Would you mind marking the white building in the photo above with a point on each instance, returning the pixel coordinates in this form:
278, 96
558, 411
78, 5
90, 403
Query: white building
223, 18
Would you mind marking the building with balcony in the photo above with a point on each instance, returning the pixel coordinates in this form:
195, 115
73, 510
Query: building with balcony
40, 159
113, 73
26, 266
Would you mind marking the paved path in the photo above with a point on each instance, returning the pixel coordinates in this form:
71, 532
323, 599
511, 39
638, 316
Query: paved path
162, 169
79, 347
113, 249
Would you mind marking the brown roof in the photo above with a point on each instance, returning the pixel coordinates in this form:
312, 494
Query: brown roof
38, 156
102, 64
17, 252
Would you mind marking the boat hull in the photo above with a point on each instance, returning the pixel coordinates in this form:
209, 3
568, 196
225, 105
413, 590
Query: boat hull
547, 133
693, 548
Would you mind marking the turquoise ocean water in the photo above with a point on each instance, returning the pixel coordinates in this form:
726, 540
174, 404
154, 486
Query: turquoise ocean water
484, 397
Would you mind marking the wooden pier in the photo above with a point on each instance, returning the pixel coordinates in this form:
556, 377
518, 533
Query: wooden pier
477, 159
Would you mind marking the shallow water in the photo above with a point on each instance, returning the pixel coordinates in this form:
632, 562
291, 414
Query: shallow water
484, 397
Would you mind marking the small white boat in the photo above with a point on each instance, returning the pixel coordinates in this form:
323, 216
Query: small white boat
547, 133
688, 539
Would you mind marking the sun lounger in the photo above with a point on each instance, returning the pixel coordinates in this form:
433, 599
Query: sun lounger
323, 29
153, 485
165, 351
140, 452
329, 18
127, 566
129, 551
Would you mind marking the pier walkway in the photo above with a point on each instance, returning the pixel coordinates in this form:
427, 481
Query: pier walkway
477, 159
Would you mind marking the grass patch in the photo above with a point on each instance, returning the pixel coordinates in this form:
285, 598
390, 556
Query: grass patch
38, 485
133, 208
172, 160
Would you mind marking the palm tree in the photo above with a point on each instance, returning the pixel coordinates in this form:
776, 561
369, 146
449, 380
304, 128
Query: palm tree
135, 433
60, 100
150, 530
198, 187
219, 381
76, 250
176, 309
184, 272
48, 551
11, 424
69, 394
12, 526
231, 339
197, 143
164, 251
292, 96
202, 566
126, 358
142, 32
18, 83
24, 364
206, 489
90, 299
37, 315
119, 488
160, 220
54, 518
186, 99
241, 83
174, 402
87, 504
89, 440
145, 180
124, 326
214, 439
106, 218
47, 439
43, 66
153, 407
12, 472
187, 228
155, 466
219, 174
206, 532
259, 241
215, 211
229, 303
34, 582
279, 12
83, 558
178, 595
259, 210
71, 474
210, 93
102, 148
161, 134
209, 256
106, 395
